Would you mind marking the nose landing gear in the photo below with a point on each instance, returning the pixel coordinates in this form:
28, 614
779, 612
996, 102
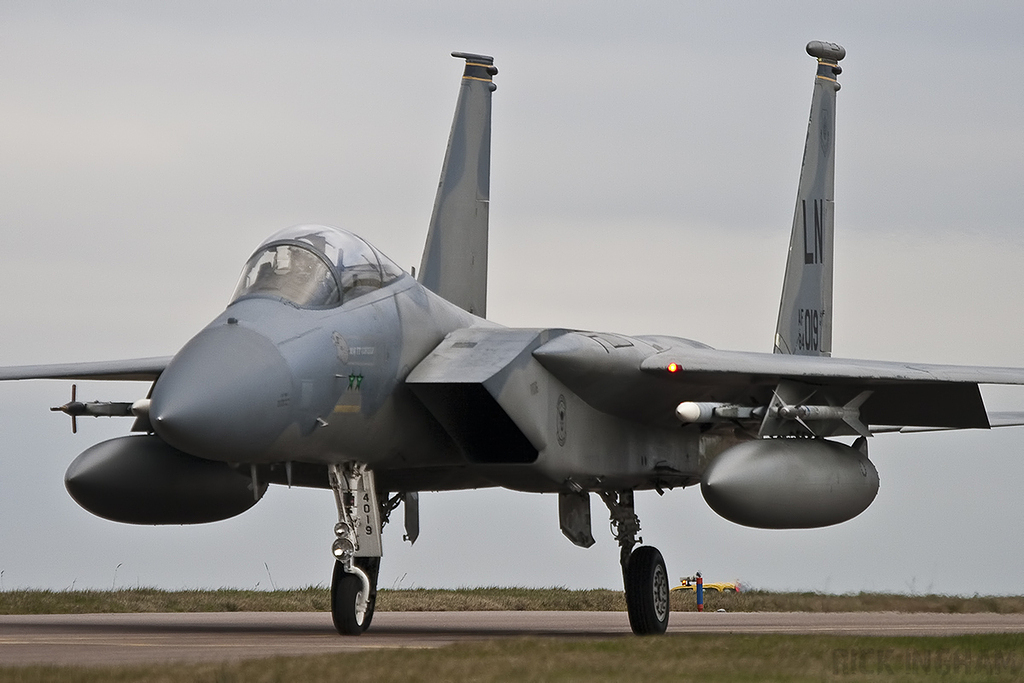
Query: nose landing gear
352, 601
357, 548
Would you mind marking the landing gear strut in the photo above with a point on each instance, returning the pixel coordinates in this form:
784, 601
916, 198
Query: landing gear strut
643, 570
357, 548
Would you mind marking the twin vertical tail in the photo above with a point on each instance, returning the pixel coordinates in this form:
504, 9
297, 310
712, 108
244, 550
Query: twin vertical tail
805, 314
454, 262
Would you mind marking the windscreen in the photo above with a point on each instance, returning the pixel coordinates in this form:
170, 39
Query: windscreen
289, 272
315, 266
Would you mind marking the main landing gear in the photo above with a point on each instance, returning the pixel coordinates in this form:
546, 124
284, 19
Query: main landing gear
643, 570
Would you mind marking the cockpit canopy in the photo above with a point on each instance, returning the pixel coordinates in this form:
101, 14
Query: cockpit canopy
315, 266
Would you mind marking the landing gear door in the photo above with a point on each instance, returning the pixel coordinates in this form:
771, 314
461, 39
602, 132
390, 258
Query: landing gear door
366, 517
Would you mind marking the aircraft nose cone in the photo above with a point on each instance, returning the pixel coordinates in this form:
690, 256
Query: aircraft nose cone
225, 396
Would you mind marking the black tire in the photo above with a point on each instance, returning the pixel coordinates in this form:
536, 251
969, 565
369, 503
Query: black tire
647, 592
344, 589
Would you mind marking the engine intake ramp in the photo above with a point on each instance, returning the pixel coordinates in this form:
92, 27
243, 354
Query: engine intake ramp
463, 382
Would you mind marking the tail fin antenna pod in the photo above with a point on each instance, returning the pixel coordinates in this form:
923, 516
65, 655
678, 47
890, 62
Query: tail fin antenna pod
805, 314
454, 263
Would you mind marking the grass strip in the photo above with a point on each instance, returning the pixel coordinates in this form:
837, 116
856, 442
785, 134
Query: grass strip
316, 599
710, 658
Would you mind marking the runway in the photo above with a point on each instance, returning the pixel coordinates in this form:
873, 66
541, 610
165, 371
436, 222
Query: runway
119, 639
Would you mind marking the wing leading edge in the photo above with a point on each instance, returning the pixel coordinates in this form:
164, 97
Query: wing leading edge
138, 369
645, 378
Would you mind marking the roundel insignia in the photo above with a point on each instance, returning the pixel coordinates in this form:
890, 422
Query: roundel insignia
560, 420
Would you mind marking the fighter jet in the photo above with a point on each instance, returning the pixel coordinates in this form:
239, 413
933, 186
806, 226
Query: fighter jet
333, 368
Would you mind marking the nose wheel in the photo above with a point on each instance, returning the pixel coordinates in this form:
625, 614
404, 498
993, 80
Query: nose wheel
352, 602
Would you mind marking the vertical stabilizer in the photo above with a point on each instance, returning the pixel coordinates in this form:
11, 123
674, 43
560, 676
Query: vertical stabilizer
805, 314
455, 257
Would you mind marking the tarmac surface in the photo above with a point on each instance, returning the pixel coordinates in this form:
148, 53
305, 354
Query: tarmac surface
124, 639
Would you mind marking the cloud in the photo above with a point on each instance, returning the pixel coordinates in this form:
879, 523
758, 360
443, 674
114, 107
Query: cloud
645, 163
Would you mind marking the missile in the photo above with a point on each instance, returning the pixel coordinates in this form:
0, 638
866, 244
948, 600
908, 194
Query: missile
803, 414
76, 409
706, 412
817, 412
691, 412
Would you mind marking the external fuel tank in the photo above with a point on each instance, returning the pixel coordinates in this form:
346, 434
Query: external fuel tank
790, 483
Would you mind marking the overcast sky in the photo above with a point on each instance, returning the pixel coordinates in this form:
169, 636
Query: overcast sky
146, 149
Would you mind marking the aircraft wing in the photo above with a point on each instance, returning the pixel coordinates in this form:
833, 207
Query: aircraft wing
995, 419
138, 369
1006, 419
645, 378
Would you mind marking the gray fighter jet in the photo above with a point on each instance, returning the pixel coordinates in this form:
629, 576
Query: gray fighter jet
333, 368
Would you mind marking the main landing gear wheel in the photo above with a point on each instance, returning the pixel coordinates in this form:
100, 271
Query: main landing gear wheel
647, 592
346, 589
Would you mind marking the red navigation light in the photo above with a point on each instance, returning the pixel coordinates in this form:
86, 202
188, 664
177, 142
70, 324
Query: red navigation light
673, 367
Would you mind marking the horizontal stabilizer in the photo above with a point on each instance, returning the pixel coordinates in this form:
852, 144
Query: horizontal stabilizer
995, 419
